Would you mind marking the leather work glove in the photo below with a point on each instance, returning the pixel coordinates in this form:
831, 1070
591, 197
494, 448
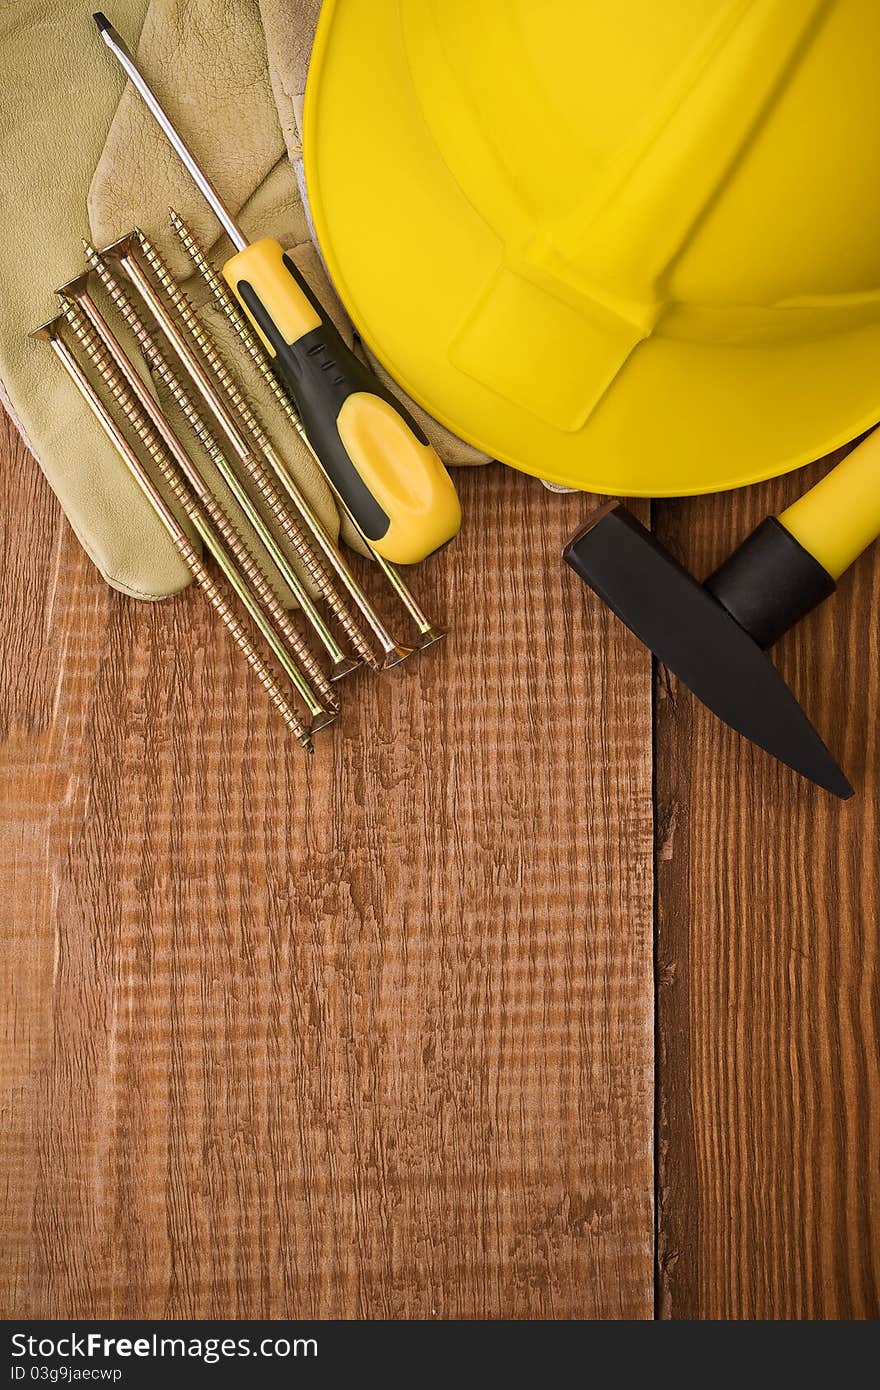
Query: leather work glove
83, 157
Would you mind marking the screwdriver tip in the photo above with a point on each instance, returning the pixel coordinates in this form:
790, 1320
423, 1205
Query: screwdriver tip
102, 21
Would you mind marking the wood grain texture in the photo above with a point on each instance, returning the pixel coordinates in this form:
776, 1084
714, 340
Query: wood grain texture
369, 1036
768, 899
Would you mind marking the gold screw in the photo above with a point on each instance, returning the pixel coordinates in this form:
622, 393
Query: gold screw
100, 354
49, 333
183, 349
428, 632
393, 652
228, 533
266, 487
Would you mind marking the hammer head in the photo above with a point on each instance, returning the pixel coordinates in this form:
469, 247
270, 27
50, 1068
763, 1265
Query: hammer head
689, 631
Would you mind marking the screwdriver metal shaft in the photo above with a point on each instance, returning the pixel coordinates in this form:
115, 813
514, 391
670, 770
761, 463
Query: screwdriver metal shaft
123, 56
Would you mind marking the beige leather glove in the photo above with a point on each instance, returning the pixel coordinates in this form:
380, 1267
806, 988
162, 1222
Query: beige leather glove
56, 105
71, 141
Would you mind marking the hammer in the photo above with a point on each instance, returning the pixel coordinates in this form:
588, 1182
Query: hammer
714, 636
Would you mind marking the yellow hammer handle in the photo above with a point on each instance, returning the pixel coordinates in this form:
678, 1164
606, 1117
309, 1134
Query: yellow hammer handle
840, 517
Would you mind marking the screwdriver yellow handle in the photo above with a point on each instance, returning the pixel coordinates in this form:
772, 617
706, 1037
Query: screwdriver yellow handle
373, 452
840, 517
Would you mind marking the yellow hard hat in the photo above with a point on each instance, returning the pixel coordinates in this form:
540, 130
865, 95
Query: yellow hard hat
631, 247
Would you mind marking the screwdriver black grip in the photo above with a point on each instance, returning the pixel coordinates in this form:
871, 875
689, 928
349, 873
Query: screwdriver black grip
373, 452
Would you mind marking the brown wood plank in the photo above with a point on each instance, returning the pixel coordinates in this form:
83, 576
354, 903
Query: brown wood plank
366, 1037
768, 1005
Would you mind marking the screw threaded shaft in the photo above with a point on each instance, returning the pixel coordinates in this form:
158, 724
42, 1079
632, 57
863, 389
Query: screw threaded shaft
156, 358
207, 585
266, 487
99, 355
226, 302
264, 675
196, 372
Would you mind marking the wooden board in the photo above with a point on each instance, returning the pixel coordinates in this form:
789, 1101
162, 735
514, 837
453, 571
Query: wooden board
370, 1037
374, 1037
768, 941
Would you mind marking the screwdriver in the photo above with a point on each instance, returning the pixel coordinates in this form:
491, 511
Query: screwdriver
373, 452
